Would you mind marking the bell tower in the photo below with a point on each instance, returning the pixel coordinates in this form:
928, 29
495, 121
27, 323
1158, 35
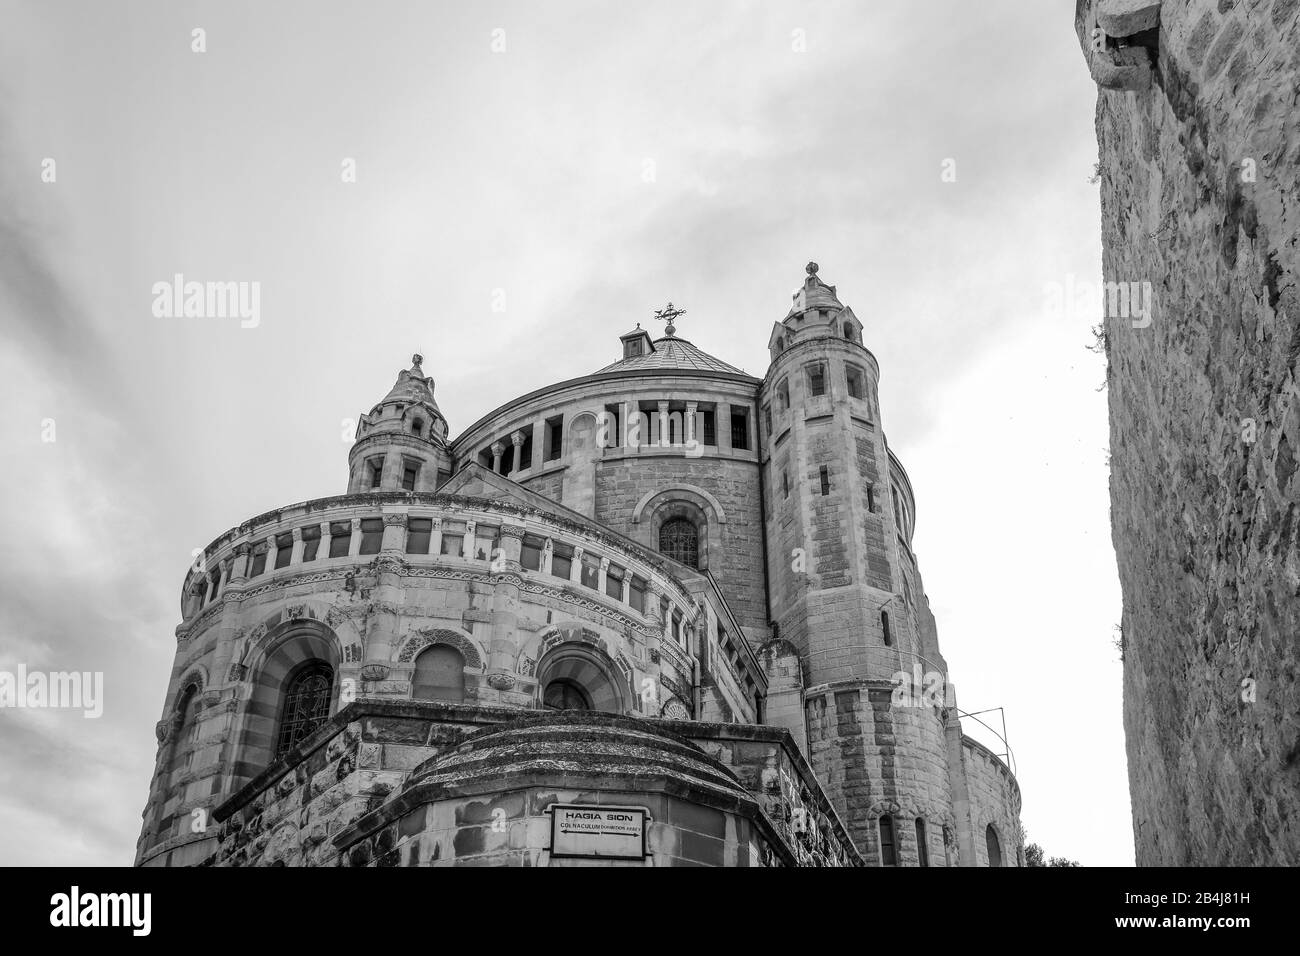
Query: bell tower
401, 444
844, 588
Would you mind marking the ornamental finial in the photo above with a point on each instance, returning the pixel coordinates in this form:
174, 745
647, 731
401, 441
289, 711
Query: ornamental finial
416, 359
668, 314
812, 268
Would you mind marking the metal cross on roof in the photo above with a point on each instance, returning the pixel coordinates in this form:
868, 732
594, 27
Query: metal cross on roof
668, 314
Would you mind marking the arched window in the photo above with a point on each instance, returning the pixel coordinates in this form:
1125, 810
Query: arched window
565, 695
994, 847
577, 677
679, 539
922, 851
848, 331
307, 697
187, 728
888, 851
439, 674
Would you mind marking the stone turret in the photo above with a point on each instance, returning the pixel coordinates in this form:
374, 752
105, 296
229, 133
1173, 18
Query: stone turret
846, 597
401, 444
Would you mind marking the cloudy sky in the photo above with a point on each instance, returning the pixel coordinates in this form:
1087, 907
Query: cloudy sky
581, 163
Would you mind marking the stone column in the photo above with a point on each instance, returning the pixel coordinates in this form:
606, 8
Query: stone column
295, 556
354, 544
575, 566
654, 598
323, 549
498, 450
394, 532
548, 553
688, 426
504, 641
271, 551
467, 544
604, 575
435, 536
517, 439
664, 434
381, 633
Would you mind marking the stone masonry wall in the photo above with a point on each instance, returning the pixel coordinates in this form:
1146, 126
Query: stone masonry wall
735, 547
1200, 199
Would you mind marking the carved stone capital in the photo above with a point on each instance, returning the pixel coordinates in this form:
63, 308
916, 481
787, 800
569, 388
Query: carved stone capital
395, 519
501, 680
512, 531
241, 549
373, 672
162, 730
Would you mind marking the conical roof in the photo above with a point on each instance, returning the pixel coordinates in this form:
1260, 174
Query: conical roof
413, 386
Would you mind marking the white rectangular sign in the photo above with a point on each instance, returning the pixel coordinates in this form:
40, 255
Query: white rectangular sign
591, 831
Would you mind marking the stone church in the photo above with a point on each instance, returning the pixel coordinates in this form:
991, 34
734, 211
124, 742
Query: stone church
662, 614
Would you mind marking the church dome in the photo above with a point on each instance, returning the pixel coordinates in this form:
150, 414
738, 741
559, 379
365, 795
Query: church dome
670, 352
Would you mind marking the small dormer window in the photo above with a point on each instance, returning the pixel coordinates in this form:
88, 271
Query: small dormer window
631, 348
780, 343
417, 426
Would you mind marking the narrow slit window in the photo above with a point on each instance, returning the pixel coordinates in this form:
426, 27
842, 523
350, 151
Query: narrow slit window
856, 382
888, 851
636, 594
410, 472
419, 531
372, 535
562, 561
817, 379
614, 582
310, 542
283, 550
825, 475
530, 553
884, 627
739, 430
340, 538
922, 851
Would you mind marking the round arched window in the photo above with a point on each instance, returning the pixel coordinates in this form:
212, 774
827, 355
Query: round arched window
565, 695
439, 674
993, 846
307, 700
679, 539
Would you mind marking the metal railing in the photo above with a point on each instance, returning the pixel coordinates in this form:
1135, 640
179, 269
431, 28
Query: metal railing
1006, 756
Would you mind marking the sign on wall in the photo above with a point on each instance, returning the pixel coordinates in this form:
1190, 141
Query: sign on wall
611, 833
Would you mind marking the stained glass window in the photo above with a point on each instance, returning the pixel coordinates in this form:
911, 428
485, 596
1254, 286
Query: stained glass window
306, 705
679, 540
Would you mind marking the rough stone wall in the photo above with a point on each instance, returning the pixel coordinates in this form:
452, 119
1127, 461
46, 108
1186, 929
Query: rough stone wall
876, 758
994, 799
735, 546
1200, 199
292, 813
